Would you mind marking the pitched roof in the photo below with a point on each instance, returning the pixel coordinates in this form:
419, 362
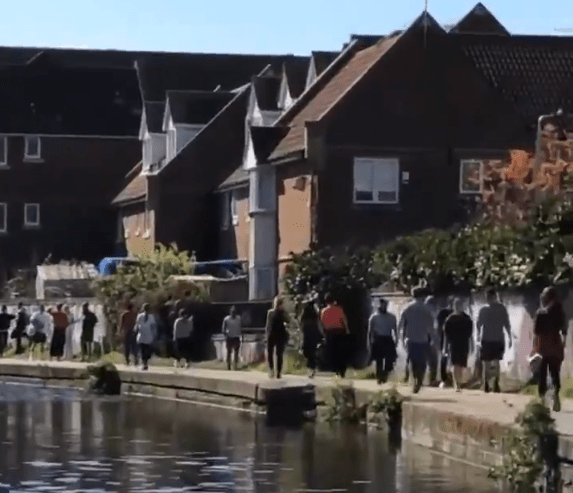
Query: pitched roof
340, 82
135, 190
323, 59
159, 73
238, 177
154, 116
266, 90
480, 20
44, 98
533, 73
196, 107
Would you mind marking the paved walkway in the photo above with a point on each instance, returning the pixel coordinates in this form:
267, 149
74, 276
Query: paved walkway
497, 408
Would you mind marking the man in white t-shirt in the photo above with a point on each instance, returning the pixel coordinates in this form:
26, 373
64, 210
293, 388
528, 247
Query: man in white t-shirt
233, 330
40, 324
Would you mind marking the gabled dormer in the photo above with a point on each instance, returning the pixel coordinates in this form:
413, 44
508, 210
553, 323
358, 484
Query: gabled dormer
152, 137
479, 20
293, 79
187, 113
319, 61
262, 111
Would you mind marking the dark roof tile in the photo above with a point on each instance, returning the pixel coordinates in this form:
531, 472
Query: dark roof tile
238, 177
323, 59
196, 107
296, 71
266, 91
45, 98
204, 72
154, 116
265, 139
135, 190
533, 73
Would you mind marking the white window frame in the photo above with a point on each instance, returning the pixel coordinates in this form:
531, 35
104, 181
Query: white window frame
4, 156
380, 161
27, 154
464, 162
234, 205
27, 223
4, 224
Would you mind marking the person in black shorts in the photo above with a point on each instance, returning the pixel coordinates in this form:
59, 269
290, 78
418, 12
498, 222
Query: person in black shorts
458, 330
5, 322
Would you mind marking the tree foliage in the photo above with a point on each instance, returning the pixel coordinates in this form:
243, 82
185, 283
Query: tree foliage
534, 252
144, 280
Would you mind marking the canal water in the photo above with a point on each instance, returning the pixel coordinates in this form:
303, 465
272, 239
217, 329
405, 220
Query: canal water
64, 440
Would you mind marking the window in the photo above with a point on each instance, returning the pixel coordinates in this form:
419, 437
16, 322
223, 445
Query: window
226, 209
376, 181
3, 218
32, 215
265, 190
234, 208
471, 171
33, 147
3, 150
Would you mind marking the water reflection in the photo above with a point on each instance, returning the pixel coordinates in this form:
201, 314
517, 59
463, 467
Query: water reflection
62, 440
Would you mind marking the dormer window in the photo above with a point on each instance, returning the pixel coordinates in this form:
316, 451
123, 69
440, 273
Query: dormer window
32, 148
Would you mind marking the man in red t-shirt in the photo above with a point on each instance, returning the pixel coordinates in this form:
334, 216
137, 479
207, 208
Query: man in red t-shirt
335, 327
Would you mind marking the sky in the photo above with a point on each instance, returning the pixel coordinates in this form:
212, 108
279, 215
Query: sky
247, 26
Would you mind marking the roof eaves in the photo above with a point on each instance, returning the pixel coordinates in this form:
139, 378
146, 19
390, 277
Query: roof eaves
311, 90
136, 169
288, 157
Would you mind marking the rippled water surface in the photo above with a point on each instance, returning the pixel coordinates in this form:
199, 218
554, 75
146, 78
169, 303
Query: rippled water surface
63, 440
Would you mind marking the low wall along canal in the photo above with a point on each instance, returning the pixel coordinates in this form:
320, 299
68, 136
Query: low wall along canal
466, 426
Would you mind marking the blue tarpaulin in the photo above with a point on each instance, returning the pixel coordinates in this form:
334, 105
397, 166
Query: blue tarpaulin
108, 265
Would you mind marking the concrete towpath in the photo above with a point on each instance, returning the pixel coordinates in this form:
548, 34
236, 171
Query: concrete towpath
500, 409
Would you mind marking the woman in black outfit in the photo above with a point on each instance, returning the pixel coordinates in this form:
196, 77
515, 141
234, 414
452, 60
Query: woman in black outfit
277, 336
311, 335
550, 331
458, 329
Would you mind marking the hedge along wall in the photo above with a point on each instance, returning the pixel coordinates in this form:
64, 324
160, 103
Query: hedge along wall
521, 307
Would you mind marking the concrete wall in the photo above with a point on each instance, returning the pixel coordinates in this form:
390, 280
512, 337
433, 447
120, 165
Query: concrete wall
32, 306
520, 308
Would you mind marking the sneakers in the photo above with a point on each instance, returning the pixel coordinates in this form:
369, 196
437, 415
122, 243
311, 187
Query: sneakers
271, 374
496, 387
556, 404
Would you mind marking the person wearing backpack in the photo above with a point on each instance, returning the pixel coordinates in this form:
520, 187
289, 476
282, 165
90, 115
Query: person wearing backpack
277, 336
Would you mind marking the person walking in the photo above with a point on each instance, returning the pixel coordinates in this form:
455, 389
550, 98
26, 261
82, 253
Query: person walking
443, 314
5, 322
277, 337
40, 323
89, 322
335, 328
146, 329
311, 336
69, 344
383, 337
128, 335
61, 323
493, 319
233, 331
22, 322
550, 332
417, 327
434, 347
182, 338
459, 330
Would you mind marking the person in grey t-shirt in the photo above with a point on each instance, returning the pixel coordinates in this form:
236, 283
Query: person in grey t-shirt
383, 337
417, 326
232, 328
492, 321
